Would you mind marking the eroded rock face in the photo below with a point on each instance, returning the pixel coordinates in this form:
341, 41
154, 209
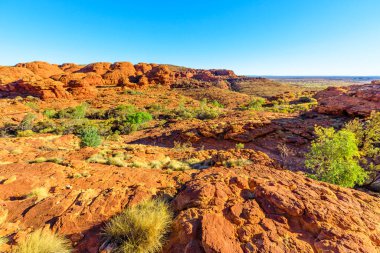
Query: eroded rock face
258, 209
13, 74
357, 100
45, 89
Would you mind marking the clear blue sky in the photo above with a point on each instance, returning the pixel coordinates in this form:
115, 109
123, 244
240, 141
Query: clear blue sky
263, 37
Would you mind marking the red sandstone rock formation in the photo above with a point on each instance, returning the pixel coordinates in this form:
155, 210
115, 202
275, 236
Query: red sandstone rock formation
42, 69
255, 208
357, 100
80, 81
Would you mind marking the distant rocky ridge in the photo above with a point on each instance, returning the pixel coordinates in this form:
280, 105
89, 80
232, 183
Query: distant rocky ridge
49, 81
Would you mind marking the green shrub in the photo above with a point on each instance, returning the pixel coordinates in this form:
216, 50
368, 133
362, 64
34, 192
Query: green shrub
140, 228
89, 137
239, 146
334, 158
305, 100
256, 104
77, 112
121, 111
181, 112
216, 103
44, 241
367, 134
27, 122
206, 112
25, 133
50, 113
32, 105
139, 118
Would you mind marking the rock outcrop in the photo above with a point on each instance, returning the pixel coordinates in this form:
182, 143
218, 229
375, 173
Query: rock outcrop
251, 208
356, 100
81, 81
258, 209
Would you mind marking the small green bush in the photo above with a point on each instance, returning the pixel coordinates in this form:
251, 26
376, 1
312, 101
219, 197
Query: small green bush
216, 103
139, 118
334, 158
50, 113
367, 134
121, 111
44, 241
305, 100
256, 104
206, 112
25, 133
32, 105
89, 137
239, 146
27, 122
140, 228
77, 112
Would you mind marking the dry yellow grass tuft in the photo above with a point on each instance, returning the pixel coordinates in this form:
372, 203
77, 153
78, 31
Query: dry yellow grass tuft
3, 215
44, 241
141, 228
40, 193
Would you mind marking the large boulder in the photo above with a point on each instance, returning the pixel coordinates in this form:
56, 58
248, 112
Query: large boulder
160, 74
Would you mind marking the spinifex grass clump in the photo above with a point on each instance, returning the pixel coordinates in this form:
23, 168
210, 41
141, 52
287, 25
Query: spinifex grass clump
141, 228
44, 241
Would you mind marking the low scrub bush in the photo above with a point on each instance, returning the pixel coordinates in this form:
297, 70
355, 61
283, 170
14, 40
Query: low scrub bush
237, 162
239, 146
25, 133
367, 134
50, 113
334, 158
255, 104
77, 112
43, 241
32, 105
27, 122
89, 137
207, 112
140, 228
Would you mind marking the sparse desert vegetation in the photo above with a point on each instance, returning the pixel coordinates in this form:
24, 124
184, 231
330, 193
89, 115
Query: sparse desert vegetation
83, 164
141, 228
